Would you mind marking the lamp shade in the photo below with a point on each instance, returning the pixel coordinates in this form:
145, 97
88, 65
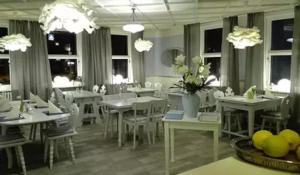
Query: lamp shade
133, 28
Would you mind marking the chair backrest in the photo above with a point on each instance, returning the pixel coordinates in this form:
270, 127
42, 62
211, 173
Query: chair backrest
52, 98
95, 88
128, 95
74, 120
59, 96
285, 106
148, 84
69, 100
7, 95
229, 92
211, 97
218, 94
159, 106
141, 108
203, 97
157, 86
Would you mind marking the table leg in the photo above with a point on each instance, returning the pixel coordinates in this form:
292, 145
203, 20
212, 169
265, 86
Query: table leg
221, 109
216, 144
172, 144
251, 116
120, 128
9, 158
106, 119
167, 148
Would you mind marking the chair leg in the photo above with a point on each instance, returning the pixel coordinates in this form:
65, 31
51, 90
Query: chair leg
239, 123
20, 152
18, 157
56, 149
154, 132
263, 123
34, 132
46, 150
41, 132
229, 125
51, 155
9, 158
134, 136
31, 132
71, 149
277, 127
148, 134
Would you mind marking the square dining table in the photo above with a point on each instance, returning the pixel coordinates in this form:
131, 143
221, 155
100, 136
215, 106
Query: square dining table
122, 105
142, 91
242, 103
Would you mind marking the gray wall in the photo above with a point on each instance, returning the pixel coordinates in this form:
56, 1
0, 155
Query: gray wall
153, 65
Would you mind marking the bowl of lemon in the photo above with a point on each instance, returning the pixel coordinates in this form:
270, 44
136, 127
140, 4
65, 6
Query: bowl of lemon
281, 151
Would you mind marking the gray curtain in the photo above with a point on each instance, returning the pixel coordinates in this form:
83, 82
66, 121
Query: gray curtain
295, 72
191, 42
255, 55
229, 57
30, 70
96, 58
137, 59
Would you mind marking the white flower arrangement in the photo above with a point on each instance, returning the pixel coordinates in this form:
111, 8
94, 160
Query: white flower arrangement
195, 78
143, 45
244, 37
14, 42
72, 15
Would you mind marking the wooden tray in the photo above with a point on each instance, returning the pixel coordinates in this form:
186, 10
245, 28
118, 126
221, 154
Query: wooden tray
246, 151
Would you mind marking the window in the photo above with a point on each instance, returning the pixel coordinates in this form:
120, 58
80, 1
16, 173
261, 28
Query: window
211, 43
4, 71
61, 43
120, 59
63, 67
3, 32
278, 63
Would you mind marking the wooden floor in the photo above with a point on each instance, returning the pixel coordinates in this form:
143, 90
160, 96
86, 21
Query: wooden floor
98, 156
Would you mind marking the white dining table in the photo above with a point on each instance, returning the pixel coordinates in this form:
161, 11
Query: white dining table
122, 105
241, 103
142, 91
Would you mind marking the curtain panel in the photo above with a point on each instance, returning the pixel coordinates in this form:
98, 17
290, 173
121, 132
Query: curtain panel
255, 55
96, 58
191, 42
295, 72
137, 60
229, 57
30, 70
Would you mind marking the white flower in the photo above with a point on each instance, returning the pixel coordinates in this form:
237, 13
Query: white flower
181, 69
142, 45
15, 42
244, 37
197, 60
72, 15
179, 59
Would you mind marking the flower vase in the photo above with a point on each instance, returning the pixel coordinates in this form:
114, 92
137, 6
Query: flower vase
190, 104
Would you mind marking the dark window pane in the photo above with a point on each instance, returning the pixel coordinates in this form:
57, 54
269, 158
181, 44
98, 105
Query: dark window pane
120, 66
282, 34
280, 68
4, 71
119, 45
3, 32
212, 40
62, 43
64, 67
215, 65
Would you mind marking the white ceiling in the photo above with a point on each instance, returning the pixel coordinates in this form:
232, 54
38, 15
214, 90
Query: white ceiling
154, 14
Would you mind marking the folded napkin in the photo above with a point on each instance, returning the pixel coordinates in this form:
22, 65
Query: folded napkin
229, 92
250, 94
40, 102
32, 98
4, 104
53, 109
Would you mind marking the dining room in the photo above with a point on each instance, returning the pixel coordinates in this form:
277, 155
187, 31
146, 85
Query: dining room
156, 87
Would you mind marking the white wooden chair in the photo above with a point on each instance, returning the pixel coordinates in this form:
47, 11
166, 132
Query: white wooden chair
95, 89
52, 135
281, 117
203, 100
14, 141
141, 117
148, 84
60, 98
158, 87
158, 111
211, 99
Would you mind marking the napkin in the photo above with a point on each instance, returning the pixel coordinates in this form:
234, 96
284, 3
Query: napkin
250, 93
32, 98
4, 104
229, 92
53, 109
40, 102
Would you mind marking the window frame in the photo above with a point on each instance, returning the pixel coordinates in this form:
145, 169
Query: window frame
268, 53
203, 28
128, 57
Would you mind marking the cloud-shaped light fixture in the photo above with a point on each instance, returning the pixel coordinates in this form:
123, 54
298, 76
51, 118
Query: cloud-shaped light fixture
244, 37
72, 15
142, 45
14, 42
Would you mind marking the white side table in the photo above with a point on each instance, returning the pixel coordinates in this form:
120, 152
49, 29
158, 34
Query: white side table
189, 124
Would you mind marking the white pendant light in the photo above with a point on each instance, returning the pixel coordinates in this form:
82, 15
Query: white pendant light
71, 15
244, 37
133, 27
14, 42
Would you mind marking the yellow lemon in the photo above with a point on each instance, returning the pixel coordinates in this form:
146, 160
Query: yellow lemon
276, 146
259, 138
292, 138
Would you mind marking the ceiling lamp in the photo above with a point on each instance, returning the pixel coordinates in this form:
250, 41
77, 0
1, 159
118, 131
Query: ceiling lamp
14, 42
72, 15
244, 37
142, 45
133, 27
